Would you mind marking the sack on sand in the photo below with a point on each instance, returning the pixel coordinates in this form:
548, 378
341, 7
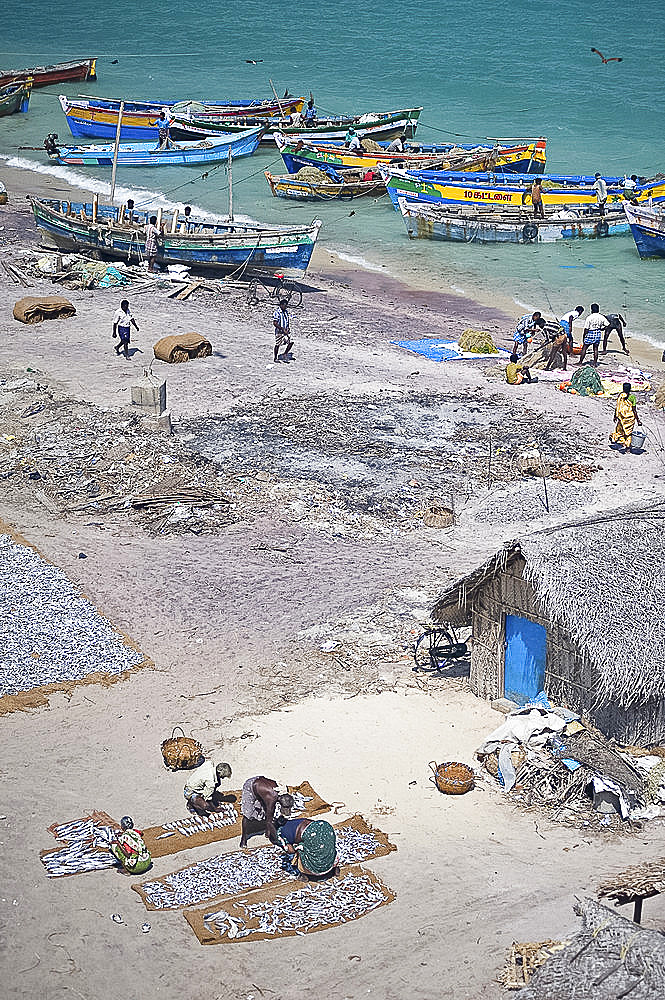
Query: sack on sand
182, 347
33, 309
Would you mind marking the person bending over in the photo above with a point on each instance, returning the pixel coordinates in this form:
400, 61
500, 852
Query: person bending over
202, 792
260, 798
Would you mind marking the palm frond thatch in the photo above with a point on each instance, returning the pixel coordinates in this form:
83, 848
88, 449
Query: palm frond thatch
611, 957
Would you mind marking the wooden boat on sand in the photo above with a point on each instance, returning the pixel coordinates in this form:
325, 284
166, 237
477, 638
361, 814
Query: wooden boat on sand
515, 158
44, 76
145, 154
468, 224
647, 224
311, 184
509, 190
14, 98
110, 232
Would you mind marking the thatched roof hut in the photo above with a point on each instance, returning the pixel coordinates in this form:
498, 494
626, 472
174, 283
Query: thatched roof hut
610, 958
591, 597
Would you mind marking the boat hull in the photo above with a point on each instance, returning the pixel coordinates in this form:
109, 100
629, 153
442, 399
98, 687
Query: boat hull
515, 159
484, 191
146, 155
291, 187
14, 99
215, 247
45, 76
425, 222
648, 229
215, 109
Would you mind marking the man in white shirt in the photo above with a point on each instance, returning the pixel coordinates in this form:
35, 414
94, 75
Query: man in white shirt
397, 145
593, 328
566, 323
202, 789
600, 187
122, 325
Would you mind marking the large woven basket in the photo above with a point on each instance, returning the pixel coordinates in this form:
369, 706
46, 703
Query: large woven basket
181, 751
452, 778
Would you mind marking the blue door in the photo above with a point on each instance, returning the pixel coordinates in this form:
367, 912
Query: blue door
524, 659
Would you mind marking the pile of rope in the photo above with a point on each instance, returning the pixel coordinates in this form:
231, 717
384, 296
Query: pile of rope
312, 175
370, 146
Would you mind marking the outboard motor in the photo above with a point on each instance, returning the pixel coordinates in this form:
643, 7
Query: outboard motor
51, 144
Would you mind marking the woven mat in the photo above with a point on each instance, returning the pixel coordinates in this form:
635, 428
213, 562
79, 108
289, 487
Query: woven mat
97, 858
289, 910
178, 842
228, 875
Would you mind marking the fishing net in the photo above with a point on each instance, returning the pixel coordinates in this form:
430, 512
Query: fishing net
659, 398
370, 146
313, 175
477, 342
586, 382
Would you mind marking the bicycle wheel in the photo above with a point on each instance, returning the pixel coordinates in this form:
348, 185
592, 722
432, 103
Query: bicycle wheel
292, 292
252, 292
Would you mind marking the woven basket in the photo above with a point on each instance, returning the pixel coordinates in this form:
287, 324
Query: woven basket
491, 762
181, 751
438, 517
451, 778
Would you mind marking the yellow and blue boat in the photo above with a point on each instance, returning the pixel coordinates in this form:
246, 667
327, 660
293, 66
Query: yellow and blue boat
510, 190
517, 157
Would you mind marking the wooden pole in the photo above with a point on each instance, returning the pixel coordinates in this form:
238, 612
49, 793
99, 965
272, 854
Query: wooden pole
230, 185
115, 149
637, 911
95, 205
279, 103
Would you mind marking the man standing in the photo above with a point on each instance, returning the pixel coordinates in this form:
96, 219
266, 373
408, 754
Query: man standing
152, 234
260, 798
600, 187
616, 323
282, 323
558, 350
202, 789
537, 198
122, 325
525, 329
310, 113
163, 133
566, 323
593, 328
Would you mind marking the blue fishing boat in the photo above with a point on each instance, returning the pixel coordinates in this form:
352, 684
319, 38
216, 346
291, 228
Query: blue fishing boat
501, 190
468, 224
119, 234
250, 106
146, 154
647, 224
14, 98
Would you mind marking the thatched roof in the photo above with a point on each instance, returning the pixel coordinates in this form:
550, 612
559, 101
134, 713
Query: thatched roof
611, 957
603, 581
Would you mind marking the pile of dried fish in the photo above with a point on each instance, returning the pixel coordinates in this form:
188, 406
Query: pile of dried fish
76, 858
239, 871
50, 632
227, 815
306, 909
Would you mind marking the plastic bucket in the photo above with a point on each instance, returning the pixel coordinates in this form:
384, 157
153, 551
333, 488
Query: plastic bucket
637, 439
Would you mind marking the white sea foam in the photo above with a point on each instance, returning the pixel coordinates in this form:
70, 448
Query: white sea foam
456, 288
362, 262
143, 197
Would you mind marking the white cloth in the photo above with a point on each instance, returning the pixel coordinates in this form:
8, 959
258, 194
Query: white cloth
123, 319
202, 780
600, 188
529, 725
354, 144
629, 184
596, 321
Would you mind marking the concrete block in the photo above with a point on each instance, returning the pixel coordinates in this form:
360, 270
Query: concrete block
150, 395
504, 705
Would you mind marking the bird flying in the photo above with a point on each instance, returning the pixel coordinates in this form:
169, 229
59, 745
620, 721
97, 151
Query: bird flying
605, 61
253, 62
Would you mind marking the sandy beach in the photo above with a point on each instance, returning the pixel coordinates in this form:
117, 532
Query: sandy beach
279, 629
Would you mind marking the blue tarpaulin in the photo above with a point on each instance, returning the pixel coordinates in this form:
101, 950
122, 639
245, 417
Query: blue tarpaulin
441, 350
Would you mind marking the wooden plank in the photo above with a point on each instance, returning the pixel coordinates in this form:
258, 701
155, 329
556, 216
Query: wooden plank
186, 292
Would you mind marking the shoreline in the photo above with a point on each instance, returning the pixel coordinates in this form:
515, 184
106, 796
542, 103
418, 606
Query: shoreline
336, 266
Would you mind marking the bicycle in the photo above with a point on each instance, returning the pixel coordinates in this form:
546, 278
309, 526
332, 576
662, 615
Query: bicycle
436, 647
280, 288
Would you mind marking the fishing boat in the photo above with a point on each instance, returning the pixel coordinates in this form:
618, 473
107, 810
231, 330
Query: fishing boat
306, 186
505, 189
468, 224
89, 122
647, 224
261, 107
44, 76
145, 154
14, 98
200, 244
517, 158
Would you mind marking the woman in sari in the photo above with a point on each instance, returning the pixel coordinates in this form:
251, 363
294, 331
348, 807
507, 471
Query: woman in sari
625, 415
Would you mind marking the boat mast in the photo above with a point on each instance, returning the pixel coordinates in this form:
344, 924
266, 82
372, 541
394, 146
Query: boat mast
115, 149
230, 170
279, 103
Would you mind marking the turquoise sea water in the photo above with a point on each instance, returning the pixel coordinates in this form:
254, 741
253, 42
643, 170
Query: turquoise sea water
509, 68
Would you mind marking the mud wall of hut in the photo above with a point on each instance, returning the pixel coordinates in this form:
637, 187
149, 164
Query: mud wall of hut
568, 678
